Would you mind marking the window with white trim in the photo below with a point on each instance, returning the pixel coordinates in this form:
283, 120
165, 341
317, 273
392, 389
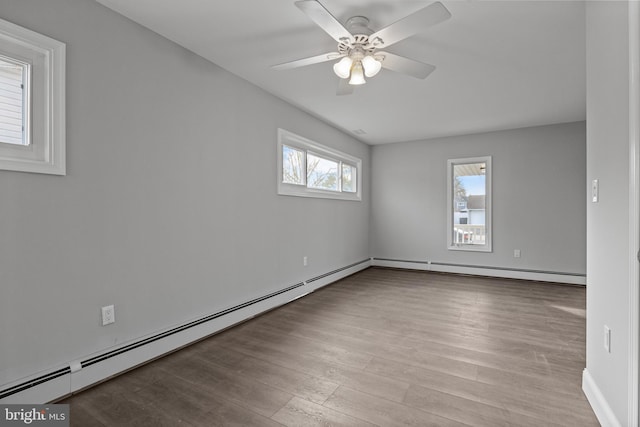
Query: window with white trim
309, 169
469, 204
32, 101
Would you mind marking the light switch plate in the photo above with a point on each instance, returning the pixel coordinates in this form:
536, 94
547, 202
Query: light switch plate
594, 191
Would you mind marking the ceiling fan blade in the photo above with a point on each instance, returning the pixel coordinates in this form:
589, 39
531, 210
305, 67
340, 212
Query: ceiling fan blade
404, 65
307, 61
344, 88
410, 25
324, 19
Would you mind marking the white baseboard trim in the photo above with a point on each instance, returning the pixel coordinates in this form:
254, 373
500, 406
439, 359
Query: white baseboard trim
79, 374
598, 402
509, 273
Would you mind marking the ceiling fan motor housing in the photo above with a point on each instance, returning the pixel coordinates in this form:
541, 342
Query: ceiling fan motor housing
359, 46
359, 25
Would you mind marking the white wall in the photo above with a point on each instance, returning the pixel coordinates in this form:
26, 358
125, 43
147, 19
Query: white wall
538, 198
608, 221
169, 208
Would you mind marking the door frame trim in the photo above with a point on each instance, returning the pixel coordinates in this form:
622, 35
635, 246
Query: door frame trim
634, 214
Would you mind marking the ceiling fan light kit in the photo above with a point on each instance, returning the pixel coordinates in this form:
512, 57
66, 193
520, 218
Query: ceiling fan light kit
357, 74
372, 65
358, 45
342, 68
357, 63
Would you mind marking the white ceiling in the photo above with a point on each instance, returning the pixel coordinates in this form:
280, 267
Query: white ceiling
500, 64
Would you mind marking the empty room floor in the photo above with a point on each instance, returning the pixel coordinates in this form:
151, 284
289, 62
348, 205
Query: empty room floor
382, 347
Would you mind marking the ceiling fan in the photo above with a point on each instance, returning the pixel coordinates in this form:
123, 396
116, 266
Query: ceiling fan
359, 47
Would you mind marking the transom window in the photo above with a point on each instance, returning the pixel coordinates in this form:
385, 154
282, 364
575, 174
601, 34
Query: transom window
309, 169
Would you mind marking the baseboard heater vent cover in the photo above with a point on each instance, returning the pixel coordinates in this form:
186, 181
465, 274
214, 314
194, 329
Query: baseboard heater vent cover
484, 267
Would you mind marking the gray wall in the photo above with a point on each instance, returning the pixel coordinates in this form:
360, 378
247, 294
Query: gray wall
608, 220
169, 208
538, 198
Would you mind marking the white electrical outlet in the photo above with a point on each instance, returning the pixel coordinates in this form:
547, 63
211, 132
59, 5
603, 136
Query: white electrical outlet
108, 315
305, 261
607, 339
516, 253
595, 190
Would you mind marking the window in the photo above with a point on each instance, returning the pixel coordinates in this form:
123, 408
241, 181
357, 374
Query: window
469, 204
14, 102
322, 173
349, 175
32, 107
308, 169
293, 166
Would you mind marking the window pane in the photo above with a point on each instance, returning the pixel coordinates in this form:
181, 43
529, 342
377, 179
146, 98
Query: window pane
349, 178
292, 165
12, 102
322, 173
469, 210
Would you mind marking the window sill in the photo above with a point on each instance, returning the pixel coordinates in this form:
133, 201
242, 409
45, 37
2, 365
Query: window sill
470, 248
299, 191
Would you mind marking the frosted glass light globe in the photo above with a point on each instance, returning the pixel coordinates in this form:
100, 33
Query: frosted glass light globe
371, 66
342, 68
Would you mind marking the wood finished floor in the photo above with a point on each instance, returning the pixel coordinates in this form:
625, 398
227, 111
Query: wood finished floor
382, 347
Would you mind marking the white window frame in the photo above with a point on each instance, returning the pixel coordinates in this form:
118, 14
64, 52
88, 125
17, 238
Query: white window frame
487, 247
44, 149
307, 146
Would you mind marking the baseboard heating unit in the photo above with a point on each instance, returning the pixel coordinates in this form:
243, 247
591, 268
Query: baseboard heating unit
82, 373
481, 270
